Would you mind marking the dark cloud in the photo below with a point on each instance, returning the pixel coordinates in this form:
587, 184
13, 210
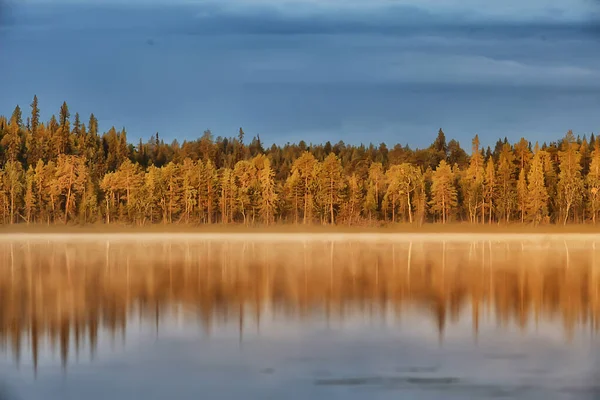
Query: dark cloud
394, 74
214, 19
5, 13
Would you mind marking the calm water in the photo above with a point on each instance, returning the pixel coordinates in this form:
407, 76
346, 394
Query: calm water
191, 319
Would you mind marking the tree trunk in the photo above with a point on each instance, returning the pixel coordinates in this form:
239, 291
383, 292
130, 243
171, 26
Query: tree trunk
107, 211
410, 217
567, 213
482, 211
331, 199
12, 206
443, 209
68, 201
305, 200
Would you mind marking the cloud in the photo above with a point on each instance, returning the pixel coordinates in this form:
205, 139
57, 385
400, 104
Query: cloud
331, 68
400, 17
507, 10
5, 13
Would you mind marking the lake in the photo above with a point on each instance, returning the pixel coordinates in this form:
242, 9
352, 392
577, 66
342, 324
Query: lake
299, 316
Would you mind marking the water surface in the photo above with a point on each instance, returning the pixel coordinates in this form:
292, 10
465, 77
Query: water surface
297, 319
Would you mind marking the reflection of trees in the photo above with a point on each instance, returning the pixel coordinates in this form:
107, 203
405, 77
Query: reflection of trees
64, 293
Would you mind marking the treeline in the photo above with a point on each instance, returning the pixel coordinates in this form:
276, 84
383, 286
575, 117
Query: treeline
66, 171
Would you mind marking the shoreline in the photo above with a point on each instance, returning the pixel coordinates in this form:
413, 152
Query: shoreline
454, 228
399, 233
296, 237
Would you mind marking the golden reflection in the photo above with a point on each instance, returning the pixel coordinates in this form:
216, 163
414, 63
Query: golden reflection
61, 294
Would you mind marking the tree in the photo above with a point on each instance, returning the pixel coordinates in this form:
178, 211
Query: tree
593, 182
473, 182
570, 182
172, 182
189, 187
61, 137
537, 196
269, 197
245, 177
228, 195
71, 177
505, 194
12, 141
207, 190
294, 188
304, 167
403, 181
523, 154
33, 142
375, 182
128, 181
489, 187
522, 194
13, 186
30, 195
353, 199
331, 183
443, 191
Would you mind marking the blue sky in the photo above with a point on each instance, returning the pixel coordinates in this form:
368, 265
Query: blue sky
358, 71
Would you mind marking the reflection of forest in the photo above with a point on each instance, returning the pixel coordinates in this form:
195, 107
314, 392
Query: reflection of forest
62, 293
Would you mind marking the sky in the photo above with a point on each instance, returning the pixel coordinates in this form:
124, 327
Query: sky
391, 71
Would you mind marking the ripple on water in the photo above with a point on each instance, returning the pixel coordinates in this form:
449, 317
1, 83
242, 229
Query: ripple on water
385, 381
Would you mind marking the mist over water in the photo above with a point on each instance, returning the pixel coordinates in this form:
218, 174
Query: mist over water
298, 319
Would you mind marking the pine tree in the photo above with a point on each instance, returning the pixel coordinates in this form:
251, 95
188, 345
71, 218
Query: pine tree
13, 185
245, 178
537, 196
304, 167
473, 187
570, 182
443, 191
30, 197
354, 199
189, 187
505, 195
331, 184
522, 194
228, 195
523, 154
268, 196
374, 188
489, 186
12, 141
593, 182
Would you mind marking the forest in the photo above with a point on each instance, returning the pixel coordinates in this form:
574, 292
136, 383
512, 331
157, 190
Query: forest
65, 171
